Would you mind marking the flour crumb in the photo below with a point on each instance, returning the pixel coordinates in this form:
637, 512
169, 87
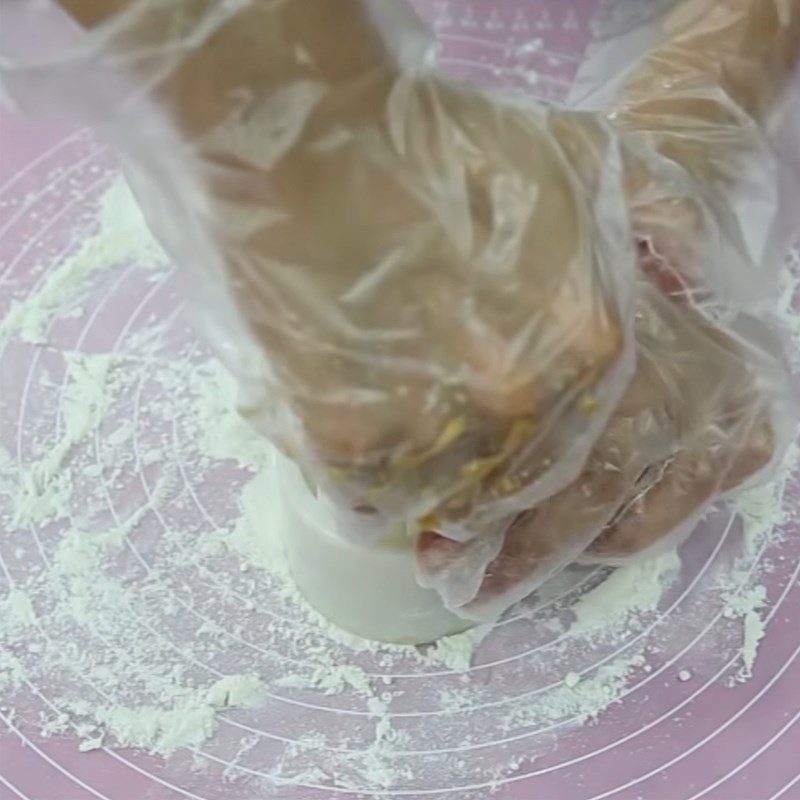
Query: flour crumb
754, 631
119, 238
88, 745
580, 703
746, 606
158, 730
330, 678
571, 680
19, 609
629, 591
236, 691
456, 652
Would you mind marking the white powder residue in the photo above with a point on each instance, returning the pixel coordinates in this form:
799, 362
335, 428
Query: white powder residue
44, 487
581, 699
164, 730
746, 606
158, 730
86, 396
259, 513
18, 609
236, 691
121, 238
151, 604
330, 678
88, 745
452, 700
571, 680
754, 631
628, 591
225, 434
456, 652
763, 509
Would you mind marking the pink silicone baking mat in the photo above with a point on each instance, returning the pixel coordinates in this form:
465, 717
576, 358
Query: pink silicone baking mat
667, 738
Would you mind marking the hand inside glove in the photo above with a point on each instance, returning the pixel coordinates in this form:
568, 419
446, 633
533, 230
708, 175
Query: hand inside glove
487, 322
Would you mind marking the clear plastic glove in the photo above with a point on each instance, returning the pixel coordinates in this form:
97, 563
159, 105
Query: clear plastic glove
436, 299
710, 405
433, 286
696, 422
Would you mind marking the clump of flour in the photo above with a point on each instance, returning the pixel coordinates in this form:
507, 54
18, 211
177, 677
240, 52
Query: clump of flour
627, 591
119, 237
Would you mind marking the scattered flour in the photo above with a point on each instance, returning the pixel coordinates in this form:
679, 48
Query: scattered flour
190, 723
581, 698
746, 606
150, 607
225, 435
18, 609
235, 691
45, 486
571, 680
456, 652
157, 730
763, 509
628, 591
120, 237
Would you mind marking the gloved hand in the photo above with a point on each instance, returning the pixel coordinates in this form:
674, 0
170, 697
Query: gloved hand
693, 424
463, 315
436, 285
697, 421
